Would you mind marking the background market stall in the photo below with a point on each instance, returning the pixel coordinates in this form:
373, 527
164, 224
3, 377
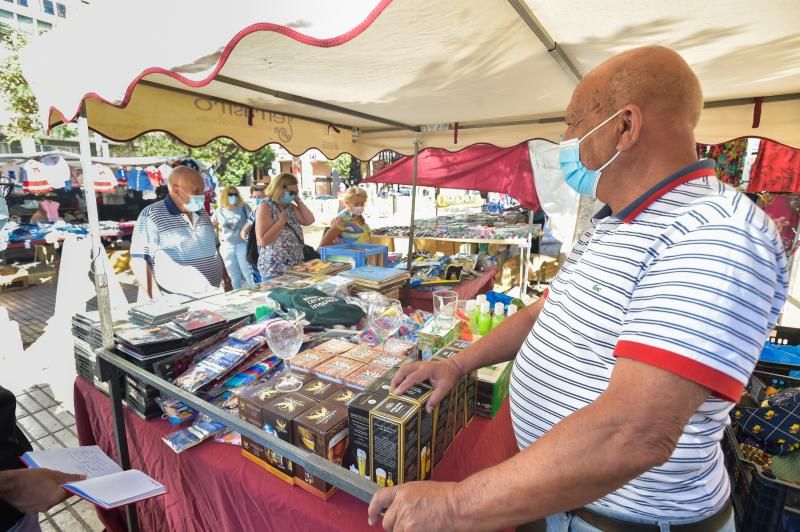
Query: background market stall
501, 78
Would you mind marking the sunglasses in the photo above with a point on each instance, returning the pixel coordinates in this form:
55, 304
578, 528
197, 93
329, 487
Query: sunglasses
291, 192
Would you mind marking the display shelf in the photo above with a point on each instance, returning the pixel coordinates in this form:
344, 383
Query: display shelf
112, 365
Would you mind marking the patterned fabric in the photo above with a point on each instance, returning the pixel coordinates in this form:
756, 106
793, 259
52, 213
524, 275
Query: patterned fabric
286, 251
689, 279
775, 427
182, 254
729, 158
353, 229
776, 169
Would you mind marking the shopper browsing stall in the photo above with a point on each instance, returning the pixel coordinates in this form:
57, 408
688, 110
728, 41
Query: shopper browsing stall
349, 226
230, 218
279, 224
174, 246
626, 371
24, 492
257, 196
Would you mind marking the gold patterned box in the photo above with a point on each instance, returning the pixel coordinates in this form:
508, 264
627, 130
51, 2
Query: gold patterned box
394, 441
322, 430
334, 347
363, 353
279, 418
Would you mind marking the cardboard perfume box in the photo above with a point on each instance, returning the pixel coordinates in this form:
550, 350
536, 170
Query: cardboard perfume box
334, 347
471, 397
308, 360
251, 401
492, 388
343, 396
419, 394
278, 421
363, 353
394, 441
358, 411
434, 336
318, 390
379, 386
337, 369
322, 430
364, 377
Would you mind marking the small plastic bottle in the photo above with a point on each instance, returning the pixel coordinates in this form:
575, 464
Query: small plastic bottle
480, 299
485, 319
512, 309
473, 311
499, 314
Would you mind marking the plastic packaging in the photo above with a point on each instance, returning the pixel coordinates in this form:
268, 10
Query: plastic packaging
484, 319
196, 434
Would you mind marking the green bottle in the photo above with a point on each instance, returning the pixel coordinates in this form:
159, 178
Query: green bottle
499, 314
484, 319
473, 311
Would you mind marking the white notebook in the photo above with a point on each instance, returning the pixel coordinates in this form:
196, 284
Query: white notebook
106, 484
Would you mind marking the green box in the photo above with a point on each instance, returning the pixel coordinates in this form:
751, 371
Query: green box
433, 338
493, 388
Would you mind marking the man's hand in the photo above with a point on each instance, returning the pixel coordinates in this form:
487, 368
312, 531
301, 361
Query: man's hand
415, 506
37, 490
443, 375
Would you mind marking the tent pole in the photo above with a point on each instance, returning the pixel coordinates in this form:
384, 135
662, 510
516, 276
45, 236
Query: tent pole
98, 266
413, 203
524, 284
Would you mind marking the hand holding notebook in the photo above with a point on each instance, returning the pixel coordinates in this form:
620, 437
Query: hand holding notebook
106, 484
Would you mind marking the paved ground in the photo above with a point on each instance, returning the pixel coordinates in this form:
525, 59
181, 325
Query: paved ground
49, 426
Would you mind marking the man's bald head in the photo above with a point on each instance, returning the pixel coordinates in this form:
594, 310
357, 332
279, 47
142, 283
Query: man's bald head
656, 79
185, 178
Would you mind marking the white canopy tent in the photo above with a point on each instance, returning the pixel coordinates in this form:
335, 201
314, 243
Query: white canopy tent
399, 75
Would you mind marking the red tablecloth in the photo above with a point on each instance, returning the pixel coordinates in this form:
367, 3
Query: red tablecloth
420, 299
212, 487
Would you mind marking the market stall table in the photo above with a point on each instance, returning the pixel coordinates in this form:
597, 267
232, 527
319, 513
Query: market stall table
214, 483
423, 300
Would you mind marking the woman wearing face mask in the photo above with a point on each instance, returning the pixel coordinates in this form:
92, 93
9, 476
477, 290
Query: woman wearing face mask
279, 222
230, 218
349, 226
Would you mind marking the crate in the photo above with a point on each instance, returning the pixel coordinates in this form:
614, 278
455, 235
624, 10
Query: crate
356, 254
781, 336
757, 387
761, 502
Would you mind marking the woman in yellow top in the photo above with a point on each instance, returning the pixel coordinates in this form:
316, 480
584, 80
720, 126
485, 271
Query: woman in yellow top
349, 227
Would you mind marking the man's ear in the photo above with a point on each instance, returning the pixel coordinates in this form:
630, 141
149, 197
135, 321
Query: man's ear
632, 125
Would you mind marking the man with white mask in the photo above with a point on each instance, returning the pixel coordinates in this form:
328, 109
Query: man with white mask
174, 248
625, 371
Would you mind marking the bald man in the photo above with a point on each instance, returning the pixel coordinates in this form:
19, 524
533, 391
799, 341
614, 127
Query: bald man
174, 248
625, 372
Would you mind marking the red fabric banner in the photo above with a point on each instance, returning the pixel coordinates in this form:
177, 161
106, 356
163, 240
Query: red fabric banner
776, 169
481, 167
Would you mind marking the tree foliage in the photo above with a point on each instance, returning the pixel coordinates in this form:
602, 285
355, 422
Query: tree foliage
230, 163
23, 121
348, 168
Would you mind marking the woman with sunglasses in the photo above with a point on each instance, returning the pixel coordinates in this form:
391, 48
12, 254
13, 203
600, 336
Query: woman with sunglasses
230, 217
279, 222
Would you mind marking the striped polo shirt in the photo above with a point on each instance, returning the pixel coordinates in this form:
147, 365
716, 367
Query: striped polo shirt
182, 253
689, 278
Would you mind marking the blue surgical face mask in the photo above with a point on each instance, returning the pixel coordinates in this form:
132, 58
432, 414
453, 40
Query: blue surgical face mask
195, 203
581, 179
233, 200
257, 201
288, 197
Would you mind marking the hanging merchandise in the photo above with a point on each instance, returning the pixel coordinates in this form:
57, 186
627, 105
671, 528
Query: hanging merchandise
104, 179
729, 158
166, 171
776, 169
56, 170
122, 177
33, 176
154, 175
138, 180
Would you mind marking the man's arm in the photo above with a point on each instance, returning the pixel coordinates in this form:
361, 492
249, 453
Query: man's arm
500, 345
34, 490
627, 431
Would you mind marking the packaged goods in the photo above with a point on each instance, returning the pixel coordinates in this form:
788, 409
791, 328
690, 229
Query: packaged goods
394, 441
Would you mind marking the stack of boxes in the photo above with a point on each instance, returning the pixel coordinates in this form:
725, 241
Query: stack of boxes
345, 413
